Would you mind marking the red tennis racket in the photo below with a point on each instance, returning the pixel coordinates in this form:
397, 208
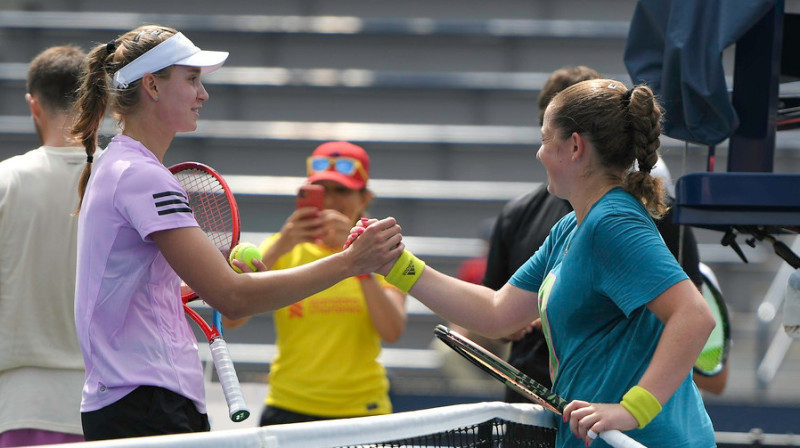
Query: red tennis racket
215, 210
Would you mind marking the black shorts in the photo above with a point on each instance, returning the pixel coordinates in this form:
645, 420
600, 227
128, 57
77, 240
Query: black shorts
146, 411
279, 416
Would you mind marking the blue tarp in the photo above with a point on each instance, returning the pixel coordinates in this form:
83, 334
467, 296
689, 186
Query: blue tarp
676, 48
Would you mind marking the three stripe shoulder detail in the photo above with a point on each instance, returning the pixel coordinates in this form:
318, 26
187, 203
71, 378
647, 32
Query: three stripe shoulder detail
169, 202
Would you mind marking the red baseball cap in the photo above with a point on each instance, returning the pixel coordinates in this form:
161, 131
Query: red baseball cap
341, 162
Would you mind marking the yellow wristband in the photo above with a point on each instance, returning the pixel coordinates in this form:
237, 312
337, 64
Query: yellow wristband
641, 404
406, 271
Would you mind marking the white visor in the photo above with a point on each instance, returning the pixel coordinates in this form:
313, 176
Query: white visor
177, 50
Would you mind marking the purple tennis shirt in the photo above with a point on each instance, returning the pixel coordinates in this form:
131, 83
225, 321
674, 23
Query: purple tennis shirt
128, 311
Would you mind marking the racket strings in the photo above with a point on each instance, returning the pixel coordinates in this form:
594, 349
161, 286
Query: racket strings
211, 207
503, 371
715, 351
513, 381
710, 360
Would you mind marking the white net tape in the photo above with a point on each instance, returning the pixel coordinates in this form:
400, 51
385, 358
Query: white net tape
354, 431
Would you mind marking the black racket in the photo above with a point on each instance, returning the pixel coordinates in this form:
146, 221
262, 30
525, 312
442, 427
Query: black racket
215, 210
715, 353
518, 381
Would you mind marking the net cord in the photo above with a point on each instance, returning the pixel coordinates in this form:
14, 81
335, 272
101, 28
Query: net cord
354, 431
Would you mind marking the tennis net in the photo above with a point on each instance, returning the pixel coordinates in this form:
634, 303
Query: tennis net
474, 425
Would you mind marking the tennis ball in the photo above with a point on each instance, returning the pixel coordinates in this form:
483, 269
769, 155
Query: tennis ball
245, 252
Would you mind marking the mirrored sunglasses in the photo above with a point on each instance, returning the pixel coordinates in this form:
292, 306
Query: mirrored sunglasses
345, 165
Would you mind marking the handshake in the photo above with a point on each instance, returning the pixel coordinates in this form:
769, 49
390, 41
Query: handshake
405, 271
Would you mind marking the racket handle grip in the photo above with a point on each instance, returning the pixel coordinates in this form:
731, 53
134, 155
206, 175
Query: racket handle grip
237, 408
619, 440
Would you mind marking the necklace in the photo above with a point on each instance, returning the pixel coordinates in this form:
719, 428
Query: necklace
569, 240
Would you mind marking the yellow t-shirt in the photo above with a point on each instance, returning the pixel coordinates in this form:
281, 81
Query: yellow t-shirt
326, 363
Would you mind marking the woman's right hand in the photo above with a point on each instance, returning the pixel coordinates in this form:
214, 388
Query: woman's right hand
302, 226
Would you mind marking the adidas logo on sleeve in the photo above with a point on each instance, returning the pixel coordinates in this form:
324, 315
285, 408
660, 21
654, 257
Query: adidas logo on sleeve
169, 202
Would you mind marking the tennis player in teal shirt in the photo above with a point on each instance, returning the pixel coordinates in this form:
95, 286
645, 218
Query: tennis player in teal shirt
623, 322
592, 294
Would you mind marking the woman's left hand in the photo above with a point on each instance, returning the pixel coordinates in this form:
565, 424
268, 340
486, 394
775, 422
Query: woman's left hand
587, 420
244, 267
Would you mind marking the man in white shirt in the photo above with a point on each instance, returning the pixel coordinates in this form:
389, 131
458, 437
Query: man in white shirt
41, 368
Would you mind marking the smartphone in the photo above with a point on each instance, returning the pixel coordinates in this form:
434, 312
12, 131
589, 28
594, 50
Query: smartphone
311, 196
